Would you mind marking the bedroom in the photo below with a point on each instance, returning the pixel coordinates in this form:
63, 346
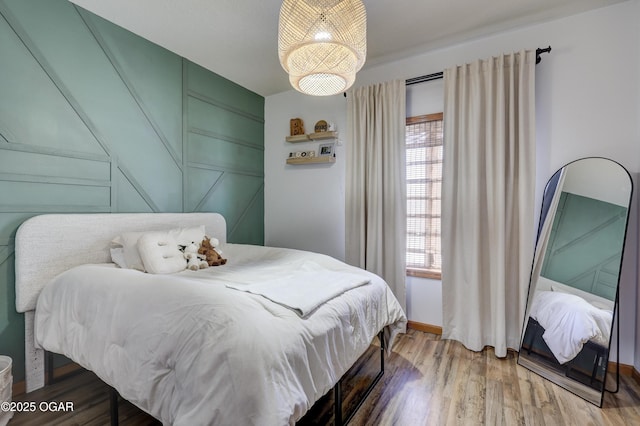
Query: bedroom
588, 99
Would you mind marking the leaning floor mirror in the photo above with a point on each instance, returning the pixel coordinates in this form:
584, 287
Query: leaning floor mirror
573, 291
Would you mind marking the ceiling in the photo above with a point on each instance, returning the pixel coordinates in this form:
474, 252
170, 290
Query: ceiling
238, 39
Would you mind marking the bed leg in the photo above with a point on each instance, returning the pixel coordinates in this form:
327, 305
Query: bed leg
383, 346
337, 404
34, 357
48, 367
113, 406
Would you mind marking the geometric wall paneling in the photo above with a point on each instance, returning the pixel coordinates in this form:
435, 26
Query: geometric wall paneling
199, 183
47, 197
221, 122
232, 196
96, 119
224, 133
53, 166
583, 245
225, 154
62, 38
47, 120
249, 229
156, 179
11, 323
226, 93
5, 252
9, 223
127, 198
152, 74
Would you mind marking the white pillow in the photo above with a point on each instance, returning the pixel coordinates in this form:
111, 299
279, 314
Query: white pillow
186, 236
160, 253
595, 300
117, 257
129, 243
602, 305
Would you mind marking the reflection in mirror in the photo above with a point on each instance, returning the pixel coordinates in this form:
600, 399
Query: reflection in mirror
575, 274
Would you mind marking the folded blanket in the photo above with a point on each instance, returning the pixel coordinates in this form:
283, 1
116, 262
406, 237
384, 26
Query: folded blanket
303, 292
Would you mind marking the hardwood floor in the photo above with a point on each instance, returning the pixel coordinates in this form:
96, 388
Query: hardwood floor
427, 381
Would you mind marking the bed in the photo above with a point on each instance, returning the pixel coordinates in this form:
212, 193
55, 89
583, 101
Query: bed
569, 322
196, 347
571, 333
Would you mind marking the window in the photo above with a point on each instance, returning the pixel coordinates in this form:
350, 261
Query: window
424, 182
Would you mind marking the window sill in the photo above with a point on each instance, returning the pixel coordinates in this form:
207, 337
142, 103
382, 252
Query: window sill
424, 273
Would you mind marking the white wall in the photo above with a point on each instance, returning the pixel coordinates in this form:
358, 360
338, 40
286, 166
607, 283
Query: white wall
587, 104
304, 204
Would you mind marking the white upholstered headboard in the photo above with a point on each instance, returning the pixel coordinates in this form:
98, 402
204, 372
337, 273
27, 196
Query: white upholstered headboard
49, 244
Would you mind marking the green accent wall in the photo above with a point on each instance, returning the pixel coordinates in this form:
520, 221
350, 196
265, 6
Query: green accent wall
585, 245
96, 119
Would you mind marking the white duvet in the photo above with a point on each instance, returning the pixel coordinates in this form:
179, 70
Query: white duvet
191, 351
569, 322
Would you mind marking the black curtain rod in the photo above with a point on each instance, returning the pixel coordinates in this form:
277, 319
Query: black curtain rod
439, 75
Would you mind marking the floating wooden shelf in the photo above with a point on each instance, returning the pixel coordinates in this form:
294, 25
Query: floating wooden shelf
311, 160
322, 135
298, 138
312, 137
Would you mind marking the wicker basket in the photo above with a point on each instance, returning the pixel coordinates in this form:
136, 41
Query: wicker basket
6, 383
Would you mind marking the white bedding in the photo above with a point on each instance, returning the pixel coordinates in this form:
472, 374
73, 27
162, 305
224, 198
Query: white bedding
317, 288
569, 322
189, 350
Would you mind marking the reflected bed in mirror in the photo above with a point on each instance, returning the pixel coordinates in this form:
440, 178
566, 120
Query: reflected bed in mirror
573, 291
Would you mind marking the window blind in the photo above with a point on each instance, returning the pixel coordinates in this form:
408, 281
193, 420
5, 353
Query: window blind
424, 151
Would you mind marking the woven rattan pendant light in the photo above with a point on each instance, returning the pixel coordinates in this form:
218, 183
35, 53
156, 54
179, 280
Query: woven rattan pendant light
322, 44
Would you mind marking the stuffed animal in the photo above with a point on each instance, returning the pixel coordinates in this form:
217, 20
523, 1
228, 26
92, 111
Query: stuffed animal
208, 250
194, 261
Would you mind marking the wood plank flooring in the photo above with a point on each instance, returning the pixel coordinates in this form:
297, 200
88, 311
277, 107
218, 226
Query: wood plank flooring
427, 381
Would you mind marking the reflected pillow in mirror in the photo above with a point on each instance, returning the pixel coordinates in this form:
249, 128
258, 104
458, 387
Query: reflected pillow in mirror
595, 300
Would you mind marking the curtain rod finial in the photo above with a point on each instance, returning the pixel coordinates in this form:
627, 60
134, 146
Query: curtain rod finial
541, 51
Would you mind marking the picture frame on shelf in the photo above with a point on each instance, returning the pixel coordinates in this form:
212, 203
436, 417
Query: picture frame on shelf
326, 150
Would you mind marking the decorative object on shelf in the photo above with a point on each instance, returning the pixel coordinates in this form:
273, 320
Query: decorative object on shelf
326, 150
321, 126
296, 127
322, 44
302, 154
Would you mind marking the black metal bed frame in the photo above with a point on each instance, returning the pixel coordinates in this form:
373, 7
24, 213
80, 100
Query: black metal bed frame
337, 390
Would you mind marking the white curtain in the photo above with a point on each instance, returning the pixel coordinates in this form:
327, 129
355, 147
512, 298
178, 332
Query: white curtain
488, 200
376, 183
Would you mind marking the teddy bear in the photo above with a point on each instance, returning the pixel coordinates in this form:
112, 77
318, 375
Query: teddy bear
194, 260
212, 256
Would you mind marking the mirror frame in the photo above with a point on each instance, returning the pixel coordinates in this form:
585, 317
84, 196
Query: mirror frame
584, 391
